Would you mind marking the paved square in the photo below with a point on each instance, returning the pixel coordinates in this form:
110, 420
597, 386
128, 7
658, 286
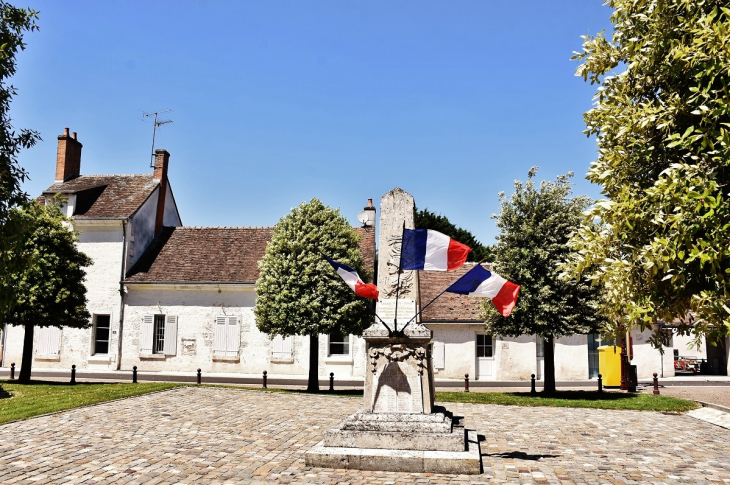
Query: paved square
211, 435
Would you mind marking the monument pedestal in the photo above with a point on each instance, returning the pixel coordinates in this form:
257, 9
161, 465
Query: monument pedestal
400, 428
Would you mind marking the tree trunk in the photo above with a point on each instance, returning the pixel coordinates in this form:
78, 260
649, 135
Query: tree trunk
313, 382
27, 361
549, 383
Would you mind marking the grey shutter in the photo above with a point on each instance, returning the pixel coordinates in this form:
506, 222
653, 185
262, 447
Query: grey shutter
219, 344
233, 337
171, 335
439, 357
148, 324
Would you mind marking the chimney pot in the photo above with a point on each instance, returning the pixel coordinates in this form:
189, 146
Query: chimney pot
370, 202
65, 132
74, 135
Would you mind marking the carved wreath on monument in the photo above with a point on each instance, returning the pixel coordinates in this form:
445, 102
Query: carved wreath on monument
406, 277
397, 353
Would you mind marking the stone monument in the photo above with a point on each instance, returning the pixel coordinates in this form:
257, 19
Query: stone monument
399, 428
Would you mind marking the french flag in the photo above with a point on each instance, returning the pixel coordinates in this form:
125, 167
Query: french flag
365, 290
430, 250
480, 282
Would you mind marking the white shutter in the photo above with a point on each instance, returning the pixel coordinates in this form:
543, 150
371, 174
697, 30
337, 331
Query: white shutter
439, 355
171, 335
281, 347
219, 344
287, 347
148, 324
49, 341
233, 337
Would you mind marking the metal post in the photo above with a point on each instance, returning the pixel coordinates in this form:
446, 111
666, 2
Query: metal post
466, 382
73, 374
265, 379
532, 384
656, 385
332, 382
200, 376
600, 383
12, 370
134, 375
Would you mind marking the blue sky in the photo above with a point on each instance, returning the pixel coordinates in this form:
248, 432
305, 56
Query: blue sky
274, 103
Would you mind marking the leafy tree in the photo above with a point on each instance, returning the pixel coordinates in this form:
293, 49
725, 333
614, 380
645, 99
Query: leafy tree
426, 219
660, 242
48, 287
534, 226
14, 22
297, 291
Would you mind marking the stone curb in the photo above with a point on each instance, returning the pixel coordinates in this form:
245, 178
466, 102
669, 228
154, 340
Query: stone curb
704, 404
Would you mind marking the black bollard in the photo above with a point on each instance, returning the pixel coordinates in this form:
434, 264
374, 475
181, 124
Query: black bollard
532, 384
12, 370
73, 374
466, 382
332, 382
265, 379
134, 375
200, 376
600, 383
656, 385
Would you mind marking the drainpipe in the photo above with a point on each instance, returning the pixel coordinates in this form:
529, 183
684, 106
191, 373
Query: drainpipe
121, 293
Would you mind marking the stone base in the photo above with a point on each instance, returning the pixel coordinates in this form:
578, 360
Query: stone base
466, 462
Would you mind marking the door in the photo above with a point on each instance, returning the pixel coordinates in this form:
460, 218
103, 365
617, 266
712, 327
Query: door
540, 357
485, 356
594, 341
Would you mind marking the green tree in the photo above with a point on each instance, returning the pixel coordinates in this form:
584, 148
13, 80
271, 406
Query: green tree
48, 288
660, 242
534, 226
14, 22
426, 219
297, 292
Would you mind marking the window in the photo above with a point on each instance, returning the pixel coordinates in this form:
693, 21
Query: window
159, 335
101, 334
540, 344
484, 345
227, 336
339, 344
281, 349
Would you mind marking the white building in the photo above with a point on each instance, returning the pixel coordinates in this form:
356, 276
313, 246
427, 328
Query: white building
169, 298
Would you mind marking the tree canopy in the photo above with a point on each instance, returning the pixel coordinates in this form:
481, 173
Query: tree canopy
297, 292
48, 287
534, 226
425, 219
660, 241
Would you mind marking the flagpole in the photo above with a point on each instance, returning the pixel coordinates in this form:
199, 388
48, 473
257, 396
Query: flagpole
437, 297
397, 285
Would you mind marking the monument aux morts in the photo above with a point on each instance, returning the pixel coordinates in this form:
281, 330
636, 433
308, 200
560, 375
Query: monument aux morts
399, 427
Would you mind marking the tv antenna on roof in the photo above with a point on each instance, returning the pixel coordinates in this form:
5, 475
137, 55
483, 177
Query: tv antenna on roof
154, 129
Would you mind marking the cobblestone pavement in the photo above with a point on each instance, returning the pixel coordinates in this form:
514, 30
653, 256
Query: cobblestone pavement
215, 435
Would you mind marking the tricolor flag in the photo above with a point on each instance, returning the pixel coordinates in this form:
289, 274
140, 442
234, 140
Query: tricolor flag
431, 251
365, 290
480, 282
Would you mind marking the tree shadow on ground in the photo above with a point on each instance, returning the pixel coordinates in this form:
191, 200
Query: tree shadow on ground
4, 394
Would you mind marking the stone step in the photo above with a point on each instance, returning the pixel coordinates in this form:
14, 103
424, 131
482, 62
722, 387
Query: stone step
398, 440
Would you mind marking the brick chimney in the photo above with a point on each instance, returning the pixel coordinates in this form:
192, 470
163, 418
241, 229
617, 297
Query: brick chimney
162, 159
68, 157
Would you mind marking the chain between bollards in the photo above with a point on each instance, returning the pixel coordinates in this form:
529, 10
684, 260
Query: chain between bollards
656, 385
73, 374
134, 375
532, 384
466, 382
12, 370
600, 383
200, 376
332, 382
265, 374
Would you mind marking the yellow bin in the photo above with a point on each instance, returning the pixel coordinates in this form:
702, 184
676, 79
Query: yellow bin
609, 365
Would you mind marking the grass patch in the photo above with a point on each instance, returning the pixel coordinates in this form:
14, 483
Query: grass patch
574, 399
22, 401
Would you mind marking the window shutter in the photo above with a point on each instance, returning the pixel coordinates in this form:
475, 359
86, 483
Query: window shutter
233, 337
171, 335
49, 341
219, 344
439, 355
287, 346
148, 324
277, 346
